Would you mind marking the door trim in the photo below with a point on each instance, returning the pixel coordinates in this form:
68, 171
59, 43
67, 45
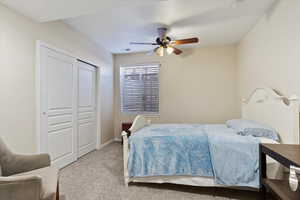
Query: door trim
39, 45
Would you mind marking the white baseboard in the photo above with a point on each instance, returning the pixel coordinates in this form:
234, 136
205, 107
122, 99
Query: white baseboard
106, 143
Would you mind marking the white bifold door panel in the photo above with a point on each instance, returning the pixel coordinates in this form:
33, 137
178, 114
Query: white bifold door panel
86, 108
68, 108
58, 101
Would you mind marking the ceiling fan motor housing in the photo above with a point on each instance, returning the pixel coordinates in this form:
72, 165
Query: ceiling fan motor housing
164, 42
162, 31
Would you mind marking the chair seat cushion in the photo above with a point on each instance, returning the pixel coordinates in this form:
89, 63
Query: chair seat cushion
49, 176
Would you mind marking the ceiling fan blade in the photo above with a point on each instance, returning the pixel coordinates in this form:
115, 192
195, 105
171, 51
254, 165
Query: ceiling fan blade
185, 41
142, 43
177, 51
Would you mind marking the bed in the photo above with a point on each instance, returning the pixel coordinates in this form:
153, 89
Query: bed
197, 153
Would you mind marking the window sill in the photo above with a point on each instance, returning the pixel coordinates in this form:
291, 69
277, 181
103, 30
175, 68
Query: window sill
144, 114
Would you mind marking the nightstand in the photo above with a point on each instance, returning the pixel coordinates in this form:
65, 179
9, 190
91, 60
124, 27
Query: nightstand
125, 127
287, 155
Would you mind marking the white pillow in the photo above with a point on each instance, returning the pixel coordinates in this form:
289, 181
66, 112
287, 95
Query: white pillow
138, 123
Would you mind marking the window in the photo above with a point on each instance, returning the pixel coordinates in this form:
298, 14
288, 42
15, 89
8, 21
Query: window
139, 87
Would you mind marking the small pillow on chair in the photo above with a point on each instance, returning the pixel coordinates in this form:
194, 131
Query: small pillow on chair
138, 123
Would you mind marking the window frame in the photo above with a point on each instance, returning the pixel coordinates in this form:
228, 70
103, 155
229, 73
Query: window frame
120, 90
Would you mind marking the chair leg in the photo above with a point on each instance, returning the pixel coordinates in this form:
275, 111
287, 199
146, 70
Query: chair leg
57, 191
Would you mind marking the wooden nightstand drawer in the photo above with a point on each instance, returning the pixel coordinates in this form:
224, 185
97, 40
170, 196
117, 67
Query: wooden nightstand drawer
126, 126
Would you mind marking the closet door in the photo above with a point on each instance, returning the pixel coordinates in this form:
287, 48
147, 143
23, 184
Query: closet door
58, 106
86, 108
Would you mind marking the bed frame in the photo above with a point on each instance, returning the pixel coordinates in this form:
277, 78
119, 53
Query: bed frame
264, 105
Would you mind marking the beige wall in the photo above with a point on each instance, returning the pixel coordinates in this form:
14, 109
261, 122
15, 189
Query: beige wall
197, 87
18, 36
270, 54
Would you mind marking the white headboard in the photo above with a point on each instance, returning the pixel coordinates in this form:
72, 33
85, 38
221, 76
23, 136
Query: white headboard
268, 106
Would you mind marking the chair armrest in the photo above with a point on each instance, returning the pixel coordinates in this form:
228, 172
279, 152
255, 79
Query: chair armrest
293, 180
19, 179
24, 163
20, 187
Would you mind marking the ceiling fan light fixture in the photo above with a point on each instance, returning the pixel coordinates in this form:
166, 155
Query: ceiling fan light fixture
160, 51
170, 50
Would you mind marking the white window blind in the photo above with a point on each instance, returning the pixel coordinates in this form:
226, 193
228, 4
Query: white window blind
139, 87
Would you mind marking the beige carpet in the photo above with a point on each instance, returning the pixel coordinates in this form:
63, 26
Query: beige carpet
99, 176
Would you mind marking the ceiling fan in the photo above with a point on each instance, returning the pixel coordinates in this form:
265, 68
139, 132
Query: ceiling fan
164, 42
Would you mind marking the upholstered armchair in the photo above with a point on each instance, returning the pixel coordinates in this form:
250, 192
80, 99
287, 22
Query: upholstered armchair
27, 177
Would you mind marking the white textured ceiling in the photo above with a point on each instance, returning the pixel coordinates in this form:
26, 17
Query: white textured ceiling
115, 23
50, 10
